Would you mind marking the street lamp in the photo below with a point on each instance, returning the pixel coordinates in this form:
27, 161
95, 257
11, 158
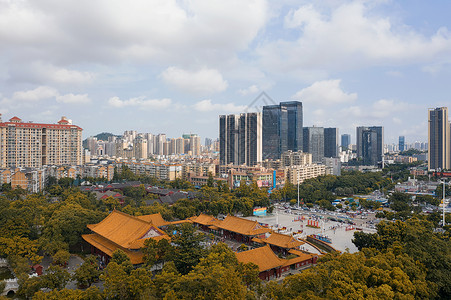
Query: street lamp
443, 202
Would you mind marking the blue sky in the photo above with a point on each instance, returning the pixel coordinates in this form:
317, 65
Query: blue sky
173, 66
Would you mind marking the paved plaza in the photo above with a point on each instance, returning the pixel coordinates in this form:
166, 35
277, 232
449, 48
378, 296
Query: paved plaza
336, 231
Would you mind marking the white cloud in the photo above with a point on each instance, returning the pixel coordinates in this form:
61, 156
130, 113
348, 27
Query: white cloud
39, 93
140, 102
325, 92
253, 89
141, 30
207, 105
73, 99
203, 81
352, 35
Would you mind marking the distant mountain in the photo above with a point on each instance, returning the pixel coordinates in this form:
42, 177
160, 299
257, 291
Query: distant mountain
100, 137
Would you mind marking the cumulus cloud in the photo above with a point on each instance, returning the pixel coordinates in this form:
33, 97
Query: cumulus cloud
325, 92
73, 99
108, 30
140, 102
203, 81
39, 93
348, 36
44, 93
207, 105
253, 89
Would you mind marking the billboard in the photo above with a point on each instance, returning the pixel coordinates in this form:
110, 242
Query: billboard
261, 211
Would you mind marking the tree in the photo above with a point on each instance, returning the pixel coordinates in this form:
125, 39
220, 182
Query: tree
120, 285
87, 273
188, 250
61, 257
55, 278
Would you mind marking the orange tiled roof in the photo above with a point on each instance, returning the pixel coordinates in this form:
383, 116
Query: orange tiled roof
282, 241
263, 257
124, 230
242, 226
204, 219
301, 256
155, 219
108, 247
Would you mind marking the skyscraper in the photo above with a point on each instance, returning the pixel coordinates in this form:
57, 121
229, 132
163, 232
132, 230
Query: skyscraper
439, 139
402, 143
295, 125
314, 142
370, 144
330, 142
240, 139
282, 128
345, 141
275, 124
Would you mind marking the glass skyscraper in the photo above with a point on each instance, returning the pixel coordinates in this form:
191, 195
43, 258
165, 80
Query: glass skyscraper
345, 141
314, 142
330, 142
282, 128
439, 139
370, 144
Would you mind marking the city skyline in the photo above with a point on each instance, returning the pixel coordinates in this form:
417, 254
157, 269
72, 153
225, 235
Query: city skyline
161, 66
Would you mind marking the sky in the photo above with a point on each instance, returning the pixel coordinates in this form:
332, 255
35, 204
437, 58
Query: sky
166, 66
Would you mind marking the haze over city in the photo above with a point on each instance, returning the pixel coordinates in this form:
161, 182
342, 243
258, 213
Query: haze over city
174, 66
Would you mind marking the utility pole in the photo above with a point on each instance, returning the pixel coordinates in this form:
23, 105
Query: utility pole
298, 195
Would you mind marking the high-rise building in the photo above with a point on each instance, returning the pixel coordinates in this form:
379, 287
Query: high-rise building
34, 145
345, 141
275, 134
179, 145
240, 138
439, 147
140, 147
370, 144
195, 144
402, 143
314, 142
282, 129
330, 142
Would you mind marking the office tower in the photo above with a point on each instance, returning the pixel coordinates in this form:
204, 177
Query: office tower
314, 142
330, 142
345, 141
34, 145
240, 139
402, 143
439, 139
282, 128
275, 133
295, 125
370, 144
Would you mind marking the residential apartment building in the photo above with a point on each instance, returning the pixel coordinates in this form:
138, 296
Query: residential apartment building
298, 174
240, 138
33, 145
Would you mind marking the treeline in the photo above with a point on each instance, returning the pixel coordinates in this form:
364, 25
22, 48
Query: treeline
328, 187
428, 254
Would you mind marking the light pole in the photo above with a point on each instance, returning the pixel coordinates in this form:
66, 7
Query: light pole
443, 202
298, 195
